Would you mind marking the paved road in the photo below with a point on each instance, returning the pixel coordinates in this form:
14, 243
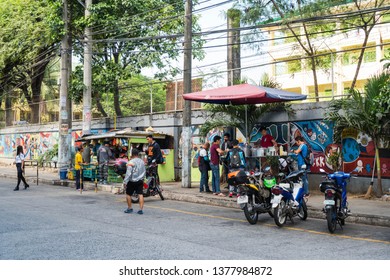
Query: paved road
53, 222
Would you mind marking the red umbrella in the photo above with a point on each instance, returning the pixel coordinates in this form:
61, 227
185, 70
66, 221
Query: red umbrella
243, 94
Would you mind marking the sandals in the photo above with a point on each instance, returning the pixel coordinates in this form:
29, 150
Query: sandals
219, 194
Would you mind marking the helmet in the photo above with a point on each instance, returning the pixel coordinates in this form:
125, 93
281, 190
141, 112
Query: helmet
120, 167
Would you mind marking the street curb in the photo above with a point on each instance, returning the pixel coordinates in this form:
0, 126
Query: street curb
315, 213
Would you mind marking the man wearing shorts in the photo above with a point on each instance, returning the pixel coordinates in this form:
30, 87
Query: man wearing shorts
134, 180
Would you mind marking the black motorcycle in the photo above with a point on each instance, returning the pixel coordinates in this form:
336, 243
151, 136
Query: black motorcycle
152, 185
253, 193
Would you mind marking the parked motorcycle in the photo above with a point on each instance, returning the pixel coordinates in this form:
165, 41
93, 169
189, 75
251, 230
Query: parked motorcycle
336, 204
253, 193
288, 198
152, 185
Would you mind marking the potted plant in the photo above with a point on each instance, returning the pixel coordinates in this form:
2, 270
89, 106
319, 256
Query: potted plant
334, 159
273, 163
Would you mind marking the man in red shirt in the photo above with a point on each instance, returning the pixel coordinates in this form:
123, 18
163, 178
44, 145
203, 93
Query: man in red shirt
215, 152
266, 139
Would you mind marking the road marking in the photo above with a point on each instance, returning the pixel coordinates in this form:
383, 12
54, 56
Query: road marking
272, 225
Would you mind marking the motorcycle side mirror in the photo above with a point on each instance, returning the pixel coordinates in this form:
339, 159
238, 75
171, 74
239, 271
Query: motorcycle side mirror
267, 169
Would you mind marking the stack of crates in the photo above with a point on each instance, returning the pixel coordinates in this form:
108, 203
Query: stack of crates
113, 177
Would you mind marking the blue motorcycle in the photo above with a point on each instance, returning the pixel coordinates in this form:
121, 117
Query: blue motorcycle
336, 204
288, 199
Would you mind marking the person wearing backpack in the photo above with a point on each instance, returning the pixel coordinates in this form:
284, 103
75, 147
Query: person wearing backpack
302, 153
204, 167
236, 160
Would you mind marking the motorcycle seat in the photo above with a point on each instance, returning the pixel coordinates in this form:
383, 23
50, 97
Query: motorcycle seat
287, 187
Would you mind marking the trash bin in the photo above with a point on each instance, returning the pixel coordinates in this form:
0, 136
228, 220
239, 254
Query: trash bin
63, 174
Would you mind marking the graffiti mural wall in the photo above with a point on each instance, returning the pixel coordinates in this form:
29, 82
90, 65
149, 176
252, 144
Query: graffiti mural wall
356, 147
34, 144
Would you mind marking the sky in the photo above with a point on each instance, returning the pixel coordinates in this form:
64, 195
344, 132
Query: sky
216, 57
215, 19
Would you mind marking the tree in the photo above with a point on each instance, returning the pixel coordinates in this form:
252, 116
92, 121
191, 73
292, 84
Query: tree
367, 111
135, 94
30, 31
305, 21
362, 21
130, 36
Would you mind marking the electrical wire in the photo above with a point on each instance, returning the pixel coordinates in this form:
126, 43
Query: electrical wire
218, 31
268, 25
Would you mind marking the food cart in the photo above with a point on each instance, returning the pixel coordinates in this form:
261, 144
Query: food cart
130, 138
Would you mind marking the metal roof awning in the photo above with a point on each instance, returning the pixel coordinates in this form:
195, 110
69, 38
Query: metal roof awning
124, 133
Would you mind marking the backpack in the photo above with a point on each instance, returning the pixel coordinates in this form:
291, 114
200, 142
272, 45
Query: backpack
160, 159
309, 159
234, 158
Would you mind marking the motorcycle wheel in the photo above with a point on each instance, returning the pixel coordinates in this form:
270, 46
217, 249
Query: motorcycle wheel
331, 219
250, 214
158, 187
280, 213
302, 214
134, 198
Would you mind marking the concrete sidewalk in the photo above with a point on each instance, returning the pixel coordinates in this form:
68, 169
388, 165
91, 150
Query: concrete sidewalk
371, 212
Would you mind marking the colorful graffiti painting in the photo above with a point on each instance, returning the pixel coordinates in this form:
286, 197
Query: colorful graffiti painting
34, 144
357, 148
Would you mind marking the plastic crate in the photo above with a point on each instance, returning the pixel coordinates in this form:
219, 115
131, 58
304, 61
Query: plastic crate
91, 172
115, 179
111, 171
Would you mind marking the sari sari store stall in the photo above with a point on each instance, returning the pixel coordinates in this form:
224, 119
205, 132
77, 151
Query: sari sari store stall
121, 143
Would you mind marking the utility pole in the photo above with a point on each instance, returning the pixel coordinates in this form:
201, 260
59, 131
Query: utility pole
65, 117
186, 133
234, 49
87, 93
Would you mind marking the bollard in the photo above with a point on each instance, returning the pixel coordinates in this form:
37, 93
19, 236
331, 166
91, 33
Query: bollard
81, 179
95, 179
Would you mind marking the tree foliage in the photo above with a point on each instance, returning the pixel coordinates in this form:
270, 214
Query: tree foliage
29, 33
135, 94
130, 36
367, 111
303, 21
